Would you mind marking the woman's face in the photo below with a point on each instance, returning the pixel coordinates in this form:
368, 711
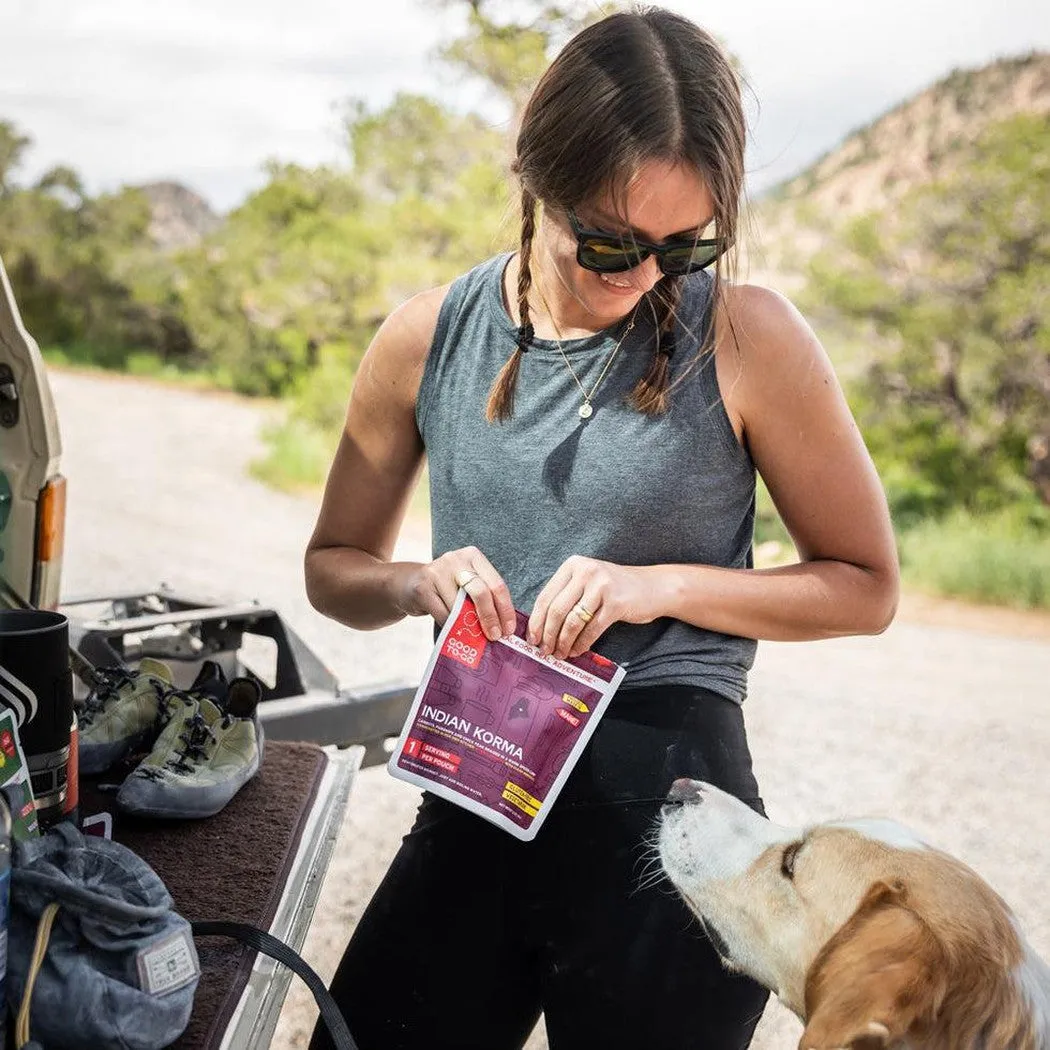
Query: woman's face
665, 200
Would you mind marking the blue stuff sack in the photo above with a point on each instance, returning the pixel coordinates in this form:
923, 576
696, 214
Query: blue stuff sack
120, 967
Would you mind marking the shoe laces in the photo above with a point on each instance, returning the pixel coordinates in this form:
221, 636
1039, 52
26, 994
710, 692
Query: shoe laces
195, 736
168, 700
109, 681
192, 747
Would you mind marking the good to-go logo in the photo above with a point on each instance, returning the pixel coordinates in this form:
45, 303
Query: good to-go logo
466, 641
461, 651
17, 696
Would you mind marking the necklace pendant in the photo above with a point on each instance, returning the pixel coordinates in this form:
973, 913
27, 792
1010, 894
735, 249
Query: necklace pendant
586, 411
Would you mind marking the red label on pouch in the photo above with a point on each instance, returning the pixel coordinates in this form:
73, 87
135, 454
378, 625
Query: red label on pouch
466, 641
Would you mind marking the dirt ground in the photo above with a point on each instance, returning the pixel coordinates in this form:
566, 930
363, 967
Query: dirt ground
940, 722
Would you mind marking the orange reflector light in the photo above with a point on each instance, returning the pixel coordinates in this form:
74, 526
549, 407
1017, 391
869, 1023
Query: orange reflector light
51, 521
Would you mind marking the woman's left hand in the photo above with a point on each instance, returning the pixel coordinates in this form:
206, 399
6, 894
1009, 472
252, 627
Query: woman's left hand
582, 600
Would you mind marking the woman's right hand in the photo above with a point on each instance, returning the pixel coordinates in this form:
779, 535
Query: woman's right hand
430, 590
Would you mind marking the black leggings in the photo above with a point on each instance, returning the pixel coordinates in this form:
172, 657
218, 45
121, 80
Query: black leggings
472, 933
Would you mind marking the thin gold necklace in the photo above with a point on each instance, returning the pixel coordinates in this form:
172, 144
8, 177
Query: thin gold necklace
586, 410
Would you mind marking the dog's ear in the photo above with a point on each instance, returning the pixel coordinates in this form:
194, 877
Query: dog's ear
878, 976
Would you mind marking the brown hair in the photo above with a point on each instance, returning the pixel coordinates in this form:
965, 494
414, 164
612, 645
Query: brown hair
629, 89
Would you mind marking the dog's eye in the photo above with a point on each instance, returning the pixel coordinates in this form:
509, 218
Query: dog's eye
787, 860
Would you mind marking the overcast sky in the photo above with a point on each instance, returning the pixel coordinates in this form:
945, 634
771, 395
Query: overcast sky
205, 91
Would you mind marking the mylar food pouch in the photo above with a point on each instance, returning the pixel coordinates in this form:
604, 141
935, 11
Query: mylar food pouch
495, 727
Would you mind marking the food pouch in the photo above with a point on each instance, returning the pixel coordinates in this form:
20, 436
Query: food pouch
495, 727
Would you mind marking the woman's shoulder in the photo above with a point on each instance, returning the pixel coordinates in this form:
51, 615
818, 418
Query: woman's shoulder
762, 325
403, 341
409, 329
765, 347
405, 336
755, 301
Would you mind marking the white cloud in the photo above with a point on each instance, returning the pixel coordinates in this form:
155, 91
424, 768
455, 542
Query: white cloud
204, 92
128, 92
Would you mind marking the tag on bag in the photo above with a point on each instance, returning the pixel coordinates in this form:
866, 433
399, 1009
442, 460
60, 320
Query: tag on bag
495, 727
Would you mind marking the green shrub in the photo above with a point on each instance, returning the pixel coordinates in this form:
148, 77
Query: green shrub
1002, 559
301, 447
299, 455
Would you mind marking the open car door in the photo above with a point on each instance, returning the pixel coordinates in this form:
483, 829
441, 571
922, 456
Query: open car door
32, 491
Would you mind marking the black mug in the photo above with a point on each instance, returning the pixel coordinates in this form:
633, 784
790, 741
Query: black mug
37, 685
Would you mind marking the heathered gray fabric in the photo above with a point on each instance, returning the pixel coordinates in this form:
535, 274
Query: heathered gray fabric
621, 486
90, 993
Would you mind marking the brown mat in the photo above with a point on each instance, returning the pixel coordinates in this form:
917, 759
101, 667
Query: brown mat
230, 867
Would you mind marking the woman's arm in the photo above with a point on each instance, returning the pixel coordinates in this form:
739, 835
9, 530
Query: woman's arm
349, 574
809, 450
783, 397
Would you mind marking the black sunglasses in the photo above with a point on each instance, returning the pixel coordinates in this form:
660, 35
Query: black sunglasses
604, 252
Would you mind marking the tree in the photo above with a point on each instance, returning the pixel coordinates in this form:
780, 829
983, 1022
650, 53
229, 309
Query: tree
64, 182
12, 147
414, 146
85, 272
511, 54
957, 284
303, 272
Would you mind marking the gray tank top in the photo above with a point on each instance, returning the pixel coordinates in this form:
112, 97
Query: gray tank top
620, 486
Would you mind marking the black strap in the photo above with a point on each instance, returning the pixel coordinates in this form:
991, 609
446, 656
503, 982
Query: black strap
526, 333
270, 945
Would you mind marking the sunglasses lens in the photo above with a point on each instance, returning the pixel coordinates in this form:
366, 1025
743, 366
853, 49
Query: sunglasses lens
689, 258
607, 256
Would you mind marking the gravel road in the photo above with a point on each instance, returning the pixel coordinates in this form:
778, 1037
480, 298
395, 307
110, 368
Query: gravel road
942, 727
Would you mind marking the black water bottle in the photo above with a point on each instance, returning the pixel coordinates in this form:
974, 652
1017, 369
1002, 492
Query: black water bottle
36, 684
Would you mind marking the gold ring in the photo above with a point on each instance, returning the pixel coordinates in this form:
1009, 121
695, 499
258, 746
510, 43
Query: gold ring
464, 576
583, 612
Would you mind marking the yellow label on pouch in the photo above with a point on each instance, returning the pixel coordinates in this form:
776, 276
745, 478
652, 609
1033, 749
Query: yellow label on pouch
520, 803
569, 699
522, 794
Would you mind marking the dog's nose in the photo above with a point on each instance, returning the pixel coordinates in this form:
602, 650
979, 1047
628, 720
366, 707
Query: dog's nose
684, 790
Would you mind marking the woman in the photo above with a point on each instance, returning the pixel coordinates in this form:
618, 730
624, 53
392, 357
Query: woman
593, 409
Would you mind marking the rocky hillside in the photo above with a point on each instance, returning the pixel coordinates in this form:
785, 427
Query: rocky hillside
915, 143
180, 217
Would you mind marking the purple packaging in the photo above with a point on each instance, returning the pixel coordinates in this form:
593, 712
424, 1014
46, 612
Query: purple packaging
495, 727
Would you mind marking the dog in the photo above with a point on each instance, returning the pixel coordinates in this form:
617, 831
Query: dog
872, 937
